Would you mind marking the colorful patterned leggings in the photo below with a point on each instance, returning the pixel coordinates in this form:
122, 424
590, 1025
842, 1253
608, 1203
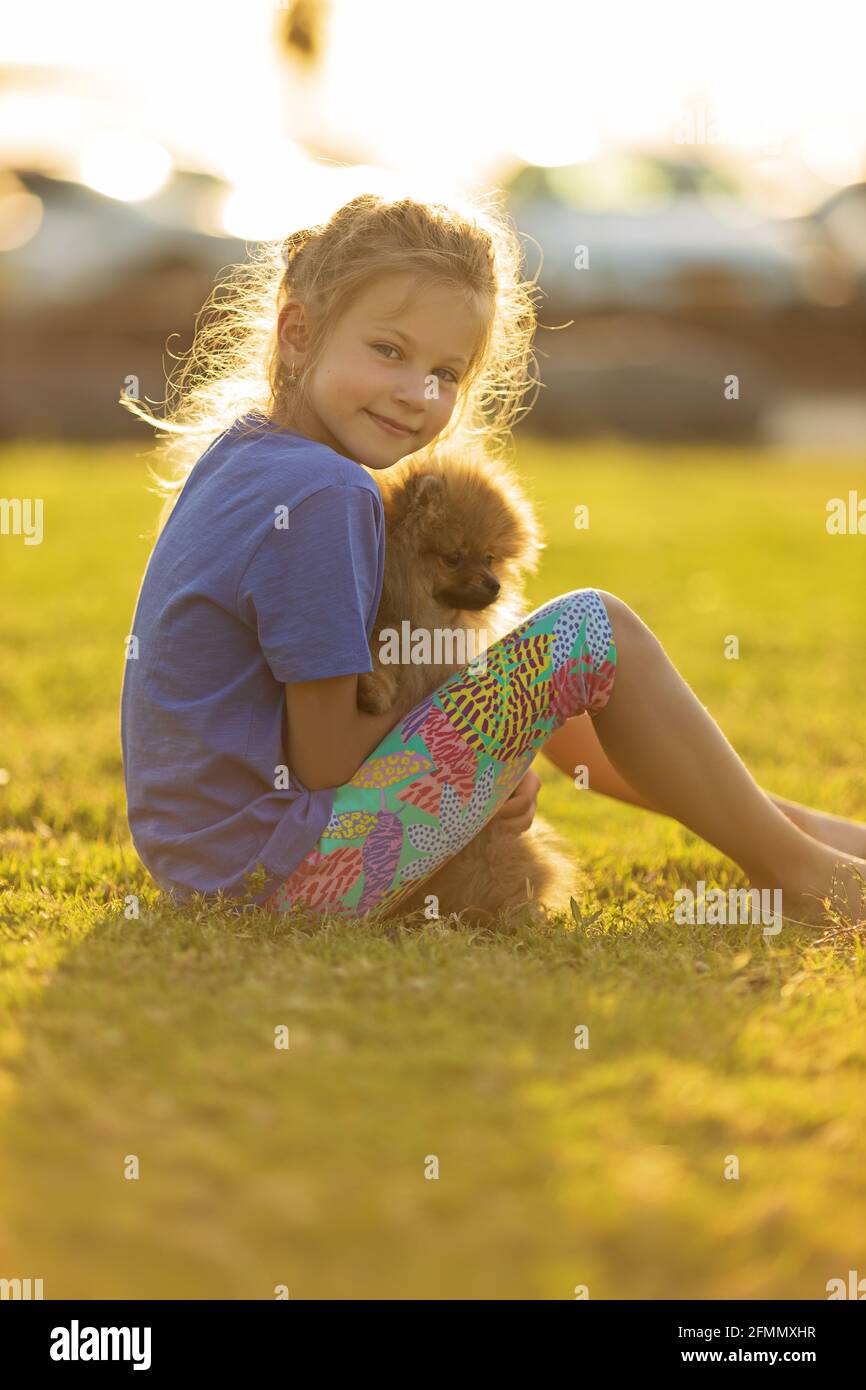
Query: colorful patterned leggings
440, 775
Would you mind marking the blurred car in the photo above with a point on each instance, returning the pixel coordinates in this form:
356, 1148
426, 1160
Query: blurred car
90, 296
679, 312
836, 237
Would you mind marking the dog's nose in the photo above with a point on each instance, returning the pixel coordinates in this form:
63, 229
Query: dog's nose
491, 584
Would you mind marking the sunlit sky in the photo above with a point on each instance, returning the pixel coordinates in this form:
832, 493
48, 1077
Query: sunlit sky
451, 94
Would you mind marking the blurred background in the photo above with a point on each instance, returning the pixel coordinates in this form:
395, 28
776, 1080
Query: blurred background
689, 187
688, 181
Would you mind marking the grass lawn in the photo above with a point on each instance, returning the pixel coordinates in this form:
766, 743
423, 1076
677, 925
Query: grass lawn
558, 1166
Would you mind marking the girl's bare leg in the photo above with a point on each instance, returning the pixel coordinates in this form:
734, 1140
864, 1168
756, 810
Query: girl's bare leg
667, 746
838, 831
575, 744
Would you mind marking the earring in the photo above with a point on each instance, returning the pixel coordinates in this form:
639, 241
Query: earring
293, 374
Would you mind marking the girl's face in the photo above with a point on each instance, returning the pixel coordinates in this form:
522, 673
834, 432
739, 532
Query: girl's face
388, 379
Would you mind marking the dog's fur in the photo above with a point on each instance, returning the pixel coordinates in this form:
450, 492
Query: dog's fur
463, 505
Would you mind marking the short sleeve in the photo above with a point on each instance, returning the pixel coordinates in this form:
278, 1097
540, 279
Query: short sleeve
312, 587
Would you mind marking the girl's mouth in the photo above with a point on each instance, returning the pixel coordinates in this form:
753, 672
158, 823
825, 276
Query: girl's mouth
390, 426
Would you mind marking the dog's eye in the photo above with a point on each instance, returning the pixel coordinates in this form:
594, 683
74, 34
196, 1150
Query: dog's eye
488, 559
454, 559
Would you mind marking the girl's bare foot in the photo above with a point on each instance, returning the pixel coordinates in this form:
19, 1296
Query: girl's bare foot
823, 874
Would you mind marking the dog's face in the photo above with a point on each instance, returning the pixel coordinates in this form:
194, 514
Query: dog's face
467, 577
465, 532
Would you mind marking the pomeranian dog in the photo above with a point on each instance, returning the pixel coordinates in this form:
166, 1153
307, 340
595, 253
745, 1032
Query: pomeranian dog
461, 535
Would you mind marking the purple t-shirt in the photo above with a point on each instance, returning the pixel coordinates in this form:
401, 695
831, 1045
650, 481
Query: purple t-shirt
269, 570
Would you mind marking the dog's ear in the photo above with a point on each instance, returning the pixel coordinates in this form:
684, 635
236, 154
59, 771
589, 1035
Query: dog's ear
418, 493
410, 497
426, 487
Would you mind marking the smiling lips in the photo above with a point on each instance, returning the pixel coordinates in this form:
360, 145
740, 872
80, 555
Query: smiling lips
391, 426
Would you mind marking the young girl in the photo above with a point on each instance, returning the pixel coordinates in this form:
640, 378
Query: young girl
249, 768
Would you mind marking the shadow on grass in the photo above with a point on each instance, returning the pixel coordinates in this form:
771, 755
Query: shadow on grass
310, 1166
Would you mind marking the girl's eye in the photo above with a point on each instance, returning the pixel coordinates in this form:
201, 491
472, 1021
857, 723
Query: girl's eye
389, 348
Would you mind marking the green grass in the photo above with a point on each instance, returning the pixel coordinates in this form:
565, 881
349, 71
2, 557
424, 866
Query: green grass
558, 1167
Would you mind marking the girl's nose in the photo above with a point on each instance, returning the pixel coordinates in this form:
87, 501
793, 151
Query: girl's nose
411, 391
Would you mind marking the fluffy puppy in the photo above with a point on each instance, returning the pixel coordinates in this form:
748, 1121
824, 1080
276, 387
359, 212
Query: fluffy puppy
461, 535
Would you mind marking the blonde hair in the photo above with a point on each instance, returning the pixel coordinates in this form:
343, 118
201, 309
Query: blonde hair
234, 365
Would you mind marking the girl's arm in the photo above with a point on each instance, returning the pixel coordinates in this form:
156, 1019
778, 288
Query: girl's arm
328, 736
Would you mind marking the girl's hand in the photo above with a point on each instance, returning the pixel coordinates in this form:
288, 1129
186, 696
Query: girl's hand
517, 812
